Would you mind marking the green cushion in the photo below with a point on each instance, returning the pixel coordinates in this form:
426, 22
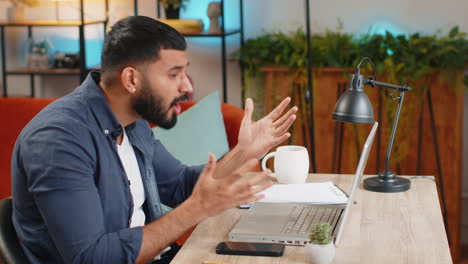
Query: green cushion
199, 130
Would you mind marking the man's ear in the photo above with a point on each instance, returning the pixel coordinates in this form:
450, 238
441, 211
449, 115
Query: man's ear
129, 78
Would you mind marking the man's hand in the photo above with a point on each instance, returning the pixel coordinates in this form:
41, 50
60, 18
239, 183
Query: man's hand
257, 138
214, 195
210, 197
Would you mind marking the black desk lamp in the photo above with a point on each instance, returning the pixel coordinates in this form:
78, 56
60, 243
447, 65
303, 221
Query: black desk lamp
354, 106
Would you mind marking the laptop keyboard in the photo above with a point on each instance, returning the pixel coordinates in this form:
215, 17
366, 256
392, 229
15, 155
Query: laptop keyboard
308, 217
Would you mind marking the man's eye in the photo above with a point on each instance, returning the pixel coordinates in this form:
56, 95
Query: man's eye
173, 75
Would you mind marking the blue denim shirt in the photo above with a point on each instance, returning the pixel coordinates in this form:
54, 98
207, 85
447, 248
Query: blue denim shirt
71, 196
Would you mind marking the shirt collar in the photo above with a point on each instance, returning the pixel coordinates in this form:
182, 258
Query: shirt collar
108, 123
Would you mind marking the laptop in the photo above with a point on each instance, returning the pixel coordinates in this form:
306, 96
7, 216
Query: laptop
289, 223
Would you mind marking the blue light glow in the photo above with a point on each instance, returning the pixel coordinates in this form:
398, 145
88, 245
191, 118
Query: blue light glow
382, 27
93, 52
198, 10
71, 45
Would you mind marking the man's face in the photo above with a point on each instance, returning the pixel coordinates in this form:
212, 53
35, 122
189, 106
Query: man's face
163, 85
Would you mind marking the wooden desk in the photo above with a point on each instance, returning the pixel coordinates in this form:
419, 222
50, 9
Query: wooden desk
382, 228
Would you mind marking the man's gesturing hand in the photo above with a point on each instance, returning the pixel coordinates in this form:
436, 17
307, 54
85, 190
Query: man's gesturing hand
214, 195
256, 138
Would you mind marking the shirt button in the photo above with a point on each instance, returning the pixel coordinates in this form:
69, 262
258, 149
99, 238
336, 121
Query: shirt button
106, 131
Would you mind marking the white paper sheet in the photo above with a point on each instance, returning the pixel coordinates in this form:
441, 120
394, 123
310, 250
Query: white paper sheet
316, 193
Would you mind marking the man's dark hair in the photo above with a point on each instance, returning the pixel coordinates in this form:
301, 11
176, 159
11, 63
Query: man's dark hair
136, 40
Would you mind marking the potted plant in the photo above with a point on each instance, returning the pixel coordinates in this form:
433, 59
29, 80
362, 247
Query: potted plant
172, 8
320, 249
39, 57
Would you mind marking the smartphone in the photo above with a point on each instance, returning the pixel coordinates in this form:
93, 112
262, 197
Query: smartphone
250, 249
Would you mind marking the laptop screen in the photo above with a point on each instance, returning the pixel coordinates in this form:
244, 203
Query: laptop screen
357, 179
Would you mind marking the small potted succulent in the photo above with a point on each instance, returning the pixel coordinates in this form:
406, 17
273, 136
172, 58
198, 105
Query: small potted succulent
172, 7
320, 249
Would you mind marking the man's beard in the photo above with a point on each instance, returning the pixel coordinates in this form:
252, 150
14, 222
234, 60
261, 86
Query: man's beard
150, 107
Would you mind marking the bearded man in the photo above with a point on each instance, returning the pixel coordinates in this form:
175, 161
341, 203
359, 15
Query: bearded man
89, 180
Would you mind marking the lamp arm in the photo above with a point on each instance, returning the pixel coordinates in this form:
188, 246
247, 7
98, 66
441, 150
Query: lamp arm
402, 88
372, 82
394, 128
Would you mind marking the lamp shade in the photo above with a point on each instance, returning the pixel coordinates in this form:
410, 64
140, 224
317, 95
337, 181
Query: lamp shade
354, 105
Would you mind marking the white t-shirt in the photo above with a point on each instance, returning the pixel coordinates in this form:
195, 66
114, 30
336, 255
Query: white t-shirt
130, 164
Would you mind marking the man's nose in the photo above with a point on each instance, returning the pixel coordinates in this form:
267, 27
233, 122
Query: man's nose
186, 86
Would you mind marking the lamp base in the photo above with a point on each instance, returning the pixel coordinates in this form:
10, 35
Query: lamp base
387, 182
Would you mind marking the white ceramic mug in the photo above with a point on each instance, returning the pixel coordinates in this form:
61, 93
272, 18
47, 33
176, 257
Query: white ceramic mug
291, 164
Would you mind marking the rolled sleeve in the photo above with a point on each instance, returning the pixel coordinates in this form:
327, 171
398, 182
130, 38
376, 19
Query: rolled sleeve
60, 171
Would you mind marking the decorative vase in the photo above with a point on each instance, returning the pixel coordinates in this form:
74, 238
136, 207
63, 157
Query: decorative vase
214, 12
320, 253
172, 13
15, 13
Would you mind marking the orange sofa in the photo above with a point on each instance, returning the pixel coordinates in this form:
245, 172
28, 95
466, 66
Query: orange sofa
15, 113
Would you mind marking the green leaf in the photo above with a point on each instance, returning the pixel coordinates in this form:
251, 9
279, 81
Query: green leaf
402, 57
453, 32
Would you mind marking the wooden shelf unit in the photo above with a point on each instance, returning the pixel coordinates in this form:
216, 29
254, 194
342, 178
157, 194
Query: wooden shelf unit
30, 24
